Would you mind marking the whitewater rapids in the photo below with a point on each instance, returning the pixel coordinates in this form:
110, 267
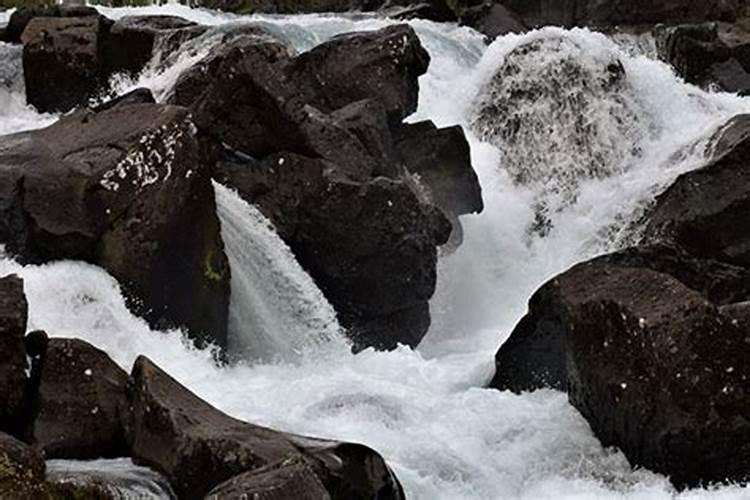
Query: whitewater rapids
424, 410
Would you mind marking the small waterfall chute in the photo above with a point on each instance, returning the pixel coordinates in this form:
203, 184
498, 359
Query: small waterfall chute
277, 312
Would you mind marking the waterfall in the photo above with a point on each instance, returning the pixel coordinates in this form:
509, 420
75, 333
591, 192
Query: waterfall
424, 410
276, 312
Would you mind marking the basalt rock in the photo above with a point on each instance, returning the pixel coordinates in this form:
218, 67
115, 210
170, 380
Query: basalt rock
706, 211
658, 371
654, 366
81, 406
339, 72
534, 355
13, 311
127, 189
197, 447
442, 160
61, 61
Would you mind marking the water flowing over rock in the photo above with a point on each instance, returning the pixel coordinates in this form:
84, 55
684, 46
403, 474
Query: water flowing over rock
130, 42
80, 406
547, 88
197, 447
126, 188
309, 147
13, 311
706, 211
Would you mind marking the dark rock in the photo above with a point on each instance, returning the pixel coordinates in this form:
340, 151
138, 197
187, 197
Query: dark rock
442, 160
81, 404
340, 71
137, 96
659, 372
126, 189
279, 481
132, 40
13, 310
23, 16
534, 355
21, 469
22, 476
615, 12
706, 211
711, 54
197, 447
61, 61
493, 20
370, 247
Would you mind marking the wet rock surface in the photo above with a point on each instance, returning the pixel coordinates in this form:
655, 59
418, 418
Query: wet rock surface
125, 188
197, 447
13, 313
80, 406
706, 210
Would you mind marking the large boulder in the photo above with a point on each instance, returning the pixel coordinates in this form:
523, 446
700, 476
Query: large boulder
711, 54
660, 372
61, 61
80, 405
128, 189
197, 447
13, 311
655, 367
616, 12
706, 211
534, 356
340, 71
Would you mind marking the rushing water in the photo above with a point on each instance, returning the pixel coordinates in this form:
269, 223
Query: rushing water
425, 410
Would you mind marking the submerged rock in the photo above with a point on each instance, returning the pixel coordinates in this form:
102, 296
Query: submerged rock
706, 211
80, 407
13, 311
127, 189
197, 447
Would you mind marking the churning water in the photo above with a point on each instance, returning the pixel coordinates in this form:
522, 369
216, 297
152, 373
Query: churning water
606, 129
